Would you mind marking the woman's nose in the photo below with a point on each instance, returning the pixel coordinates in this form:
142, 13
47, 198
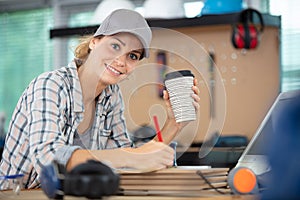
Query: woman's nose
121, 60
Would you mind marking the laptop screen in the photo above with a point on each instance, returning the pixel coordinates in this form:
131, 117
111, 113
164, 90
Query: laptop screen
254, 154
261, 138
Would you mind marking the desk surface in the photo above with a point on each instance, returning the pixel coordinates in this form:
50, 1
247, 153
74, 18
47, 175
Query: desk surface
39, 195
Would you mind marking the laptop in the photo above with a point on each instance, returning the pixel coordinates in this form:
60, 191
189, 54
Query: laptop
254, 156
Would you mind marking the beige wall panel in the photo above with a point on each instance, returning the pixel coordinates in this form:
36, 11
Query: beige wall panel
246, 82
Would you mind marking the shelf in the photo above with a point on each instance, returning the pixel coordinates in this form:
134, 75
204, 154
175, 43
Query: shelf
205, 20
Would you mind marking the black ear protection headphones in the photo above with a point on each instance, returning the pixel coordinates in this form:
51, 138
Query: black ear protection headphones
92, 180
246, 35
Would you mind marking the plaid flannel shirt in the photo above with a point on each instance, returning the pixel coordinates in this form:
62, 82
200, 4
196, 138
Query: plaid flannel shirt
46, 117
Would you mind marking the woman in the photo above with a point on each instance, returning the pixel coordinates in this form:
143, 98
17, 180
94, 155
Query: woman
76, 113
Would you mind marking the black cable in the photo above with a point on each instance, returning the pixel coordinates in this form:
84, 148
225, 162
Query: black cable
209, 183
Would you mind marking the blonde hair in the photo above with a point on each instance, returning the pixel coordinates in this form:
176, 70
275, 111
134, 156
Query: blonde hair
82, 50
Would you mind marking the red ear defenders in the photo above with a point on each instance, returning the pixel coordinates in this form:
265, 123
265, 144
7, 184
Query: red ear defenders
245, 34
92, 180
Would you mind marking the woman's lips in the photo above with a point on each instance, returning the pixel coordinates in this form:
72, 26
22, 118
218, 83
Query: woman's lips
113, 70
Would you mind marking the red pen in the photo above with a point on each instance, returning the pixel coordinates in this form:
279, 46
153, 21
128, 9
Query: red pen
158, 132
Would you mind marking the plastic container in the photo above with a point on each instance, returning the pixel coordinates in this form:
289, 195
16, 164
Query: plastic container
221, 6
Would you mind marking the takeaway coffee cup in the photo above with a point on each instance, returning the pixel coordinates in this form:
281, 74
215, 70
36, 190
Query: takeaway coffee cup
179, 86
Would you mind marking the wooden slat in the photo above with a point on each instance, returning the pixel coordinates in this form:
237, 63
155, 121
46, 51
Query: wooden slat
174, 181
172, 187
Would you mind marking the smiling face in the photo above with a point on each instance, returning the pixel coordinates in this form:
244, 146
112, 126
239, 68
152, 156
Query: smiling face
113, 58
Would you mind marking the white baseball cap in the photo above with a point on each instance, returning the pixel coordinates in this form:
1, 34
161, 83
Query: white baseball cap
125, 20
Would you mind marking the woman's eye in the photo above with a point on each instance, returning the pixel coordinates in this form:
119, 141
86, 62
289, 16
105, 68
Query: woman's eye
115, 46
133, 56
